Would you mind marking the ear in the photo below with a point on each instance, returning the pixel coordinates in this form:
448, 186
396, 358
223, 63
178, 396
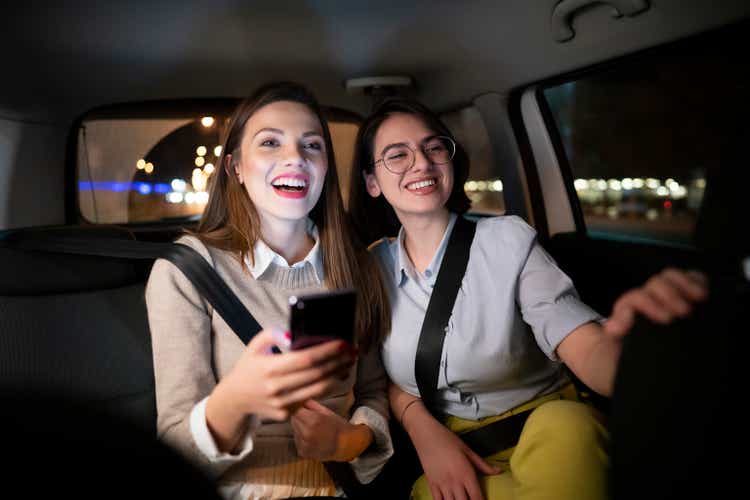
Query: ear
232, 168
371, 183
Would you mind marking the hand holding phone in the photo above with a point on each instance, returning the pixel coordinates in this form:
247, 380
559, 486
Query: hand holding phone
322, 317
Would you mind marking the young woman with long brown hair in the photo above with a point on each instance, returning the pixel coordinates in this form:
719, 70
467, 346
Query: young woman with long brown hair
274, 226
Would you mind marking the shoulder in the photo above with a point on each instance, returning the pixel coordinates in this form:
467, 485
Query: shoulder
384, 252
196, 244
507, 230
382, 249
165, 270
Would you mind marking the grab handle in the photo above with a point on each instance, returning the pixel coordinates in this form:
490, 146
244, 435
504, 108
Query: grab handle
564, 11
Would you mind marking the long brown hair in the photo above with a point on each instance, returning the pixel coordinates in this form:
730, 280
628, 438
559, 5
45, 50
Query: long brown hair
230, 221
374, 218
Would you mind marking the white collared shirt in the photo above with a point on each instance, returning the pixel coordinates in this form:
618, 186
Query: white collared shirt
264, 256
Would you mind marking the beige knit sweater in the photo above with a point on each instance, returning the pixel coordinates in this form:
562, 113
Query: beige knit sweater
193, 348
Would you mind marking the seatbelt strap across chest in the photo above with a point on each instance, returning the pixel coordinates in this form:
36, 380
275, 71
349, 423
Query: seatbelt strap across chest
439, 309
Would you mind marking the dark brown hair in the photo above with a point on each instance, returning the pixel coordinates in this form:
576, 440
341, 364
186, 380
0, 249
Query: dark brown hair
230, 221
374, 218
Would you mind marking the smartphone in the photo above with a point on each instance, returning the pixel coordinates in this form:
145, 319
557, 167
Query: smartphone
322, 317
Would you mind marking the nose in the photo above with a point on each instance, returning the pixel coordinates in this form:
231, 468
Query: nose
421, 161
293, 155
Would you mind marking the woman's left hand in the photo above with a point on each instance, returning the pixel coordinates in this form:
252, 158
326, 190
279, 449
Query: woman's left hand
323, 435
665, 296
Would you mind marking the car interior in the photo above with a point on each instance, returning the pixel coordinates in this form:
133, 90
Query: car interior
597, 122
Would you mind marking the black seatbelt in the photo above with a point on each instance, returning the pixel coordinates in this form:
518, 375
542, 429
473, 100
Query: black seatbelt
490, 438
447, 284
196, 269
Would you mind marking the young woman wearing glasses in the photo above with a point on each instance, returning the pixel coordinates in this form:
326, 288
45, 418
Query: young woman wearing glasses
516, 322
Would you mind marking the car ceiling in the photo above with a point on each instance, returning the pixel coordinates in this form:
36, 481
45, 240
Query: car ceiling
66, 58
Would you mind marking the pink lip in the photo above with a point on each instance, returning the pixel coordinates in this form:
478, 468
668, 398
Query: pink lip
292, 194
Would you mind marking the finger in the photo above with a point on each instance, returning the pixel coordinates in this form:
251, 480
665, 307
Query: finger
336, 352
691, 284
668, 295
639, 301
313, 406
262, 342
276, 414
310, 391
302, 419
473, 490
458, 492
285, 382
302, 414
698, 277
620, 322
436, 493
481, 465
296, 424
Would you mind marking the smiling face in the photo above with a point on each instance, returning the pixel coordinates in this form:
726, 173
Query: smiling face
282, 161
422, 189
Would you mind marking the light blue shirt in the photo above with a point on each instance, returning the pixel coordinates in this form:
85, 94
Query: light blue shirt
513, 309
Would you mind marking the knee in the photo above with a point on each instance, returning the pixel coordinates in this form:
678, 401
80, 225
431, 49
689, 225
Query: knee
569, 423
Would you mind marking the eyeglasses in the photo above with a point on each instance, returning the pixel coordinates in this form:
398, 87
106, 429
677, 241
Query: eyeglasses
398, 158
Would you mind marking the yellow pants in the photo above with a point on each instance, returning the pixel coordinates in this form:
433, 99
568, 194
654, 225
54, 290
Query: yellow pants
560, 454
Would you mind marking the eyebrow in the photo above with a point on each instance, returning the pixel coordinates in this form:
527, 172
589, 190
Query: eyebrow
281, 132
421, 143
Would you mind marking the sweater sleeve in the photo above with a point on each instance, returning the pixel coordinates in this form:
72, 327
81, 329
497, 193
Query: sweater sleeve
180, 324
371, 408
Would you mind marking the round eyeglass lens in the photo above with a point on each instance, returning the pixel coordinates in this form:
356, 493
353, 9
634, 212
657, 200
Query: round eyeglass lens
398, 158
439, 149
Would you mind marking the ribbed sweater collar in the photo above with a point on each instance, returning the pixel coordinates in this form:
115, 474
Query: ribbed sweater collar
291, 277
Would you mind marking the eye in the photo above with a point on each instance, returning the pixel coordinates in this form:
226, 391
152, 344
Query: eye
269, 143
434, 148
396, 156
315, 146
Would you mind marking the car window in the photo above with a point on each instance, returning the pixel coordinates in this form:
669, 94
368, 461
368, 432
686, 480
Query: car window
151, 169
641, 136
484, 186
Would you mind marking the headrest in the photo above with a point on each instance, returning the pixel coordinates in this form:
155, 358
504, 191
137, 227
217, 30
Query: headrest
38, 272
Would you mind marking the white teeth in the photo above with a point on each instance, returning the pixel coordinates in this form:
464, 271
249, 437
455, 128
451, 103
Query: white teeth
289, 182
420, 184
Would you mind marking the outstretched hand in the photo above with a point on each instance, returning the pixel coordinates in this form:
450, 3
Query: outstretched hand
665, 296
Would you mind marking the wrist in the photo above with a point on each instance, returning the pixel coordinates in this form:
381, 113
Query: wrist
227, 401
353, 442
409, 408
224, 418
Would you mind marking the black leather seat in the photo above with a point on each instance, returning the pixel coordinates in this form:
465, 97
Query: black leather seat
76, 326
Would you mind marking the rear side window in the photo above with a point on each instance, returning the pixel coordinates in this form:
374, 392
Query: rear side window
641, 137
154, 164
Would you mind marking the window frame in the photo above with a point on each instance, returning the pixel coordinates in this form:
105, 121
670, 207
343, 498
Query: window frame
539, 203
164, 108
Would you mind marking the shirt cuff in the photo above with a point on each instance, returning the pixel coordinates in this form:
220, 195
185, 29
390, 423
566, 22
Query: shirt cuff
562, 317
369, 464
205, 442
